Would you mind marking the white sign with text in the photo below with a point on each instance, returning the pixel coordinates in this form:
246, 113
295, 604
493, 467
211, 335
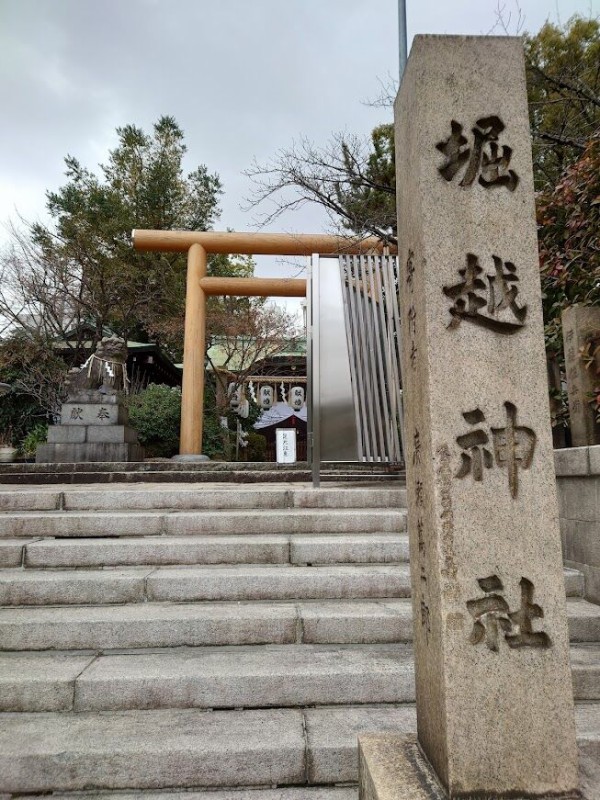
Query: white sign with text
286, 445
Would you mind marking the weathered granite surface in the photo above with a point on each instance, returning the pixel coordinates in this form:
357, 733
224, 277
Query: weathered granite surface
494, 700
88, 452
578, 482
97, 413
392, 767
93, 429
579, 324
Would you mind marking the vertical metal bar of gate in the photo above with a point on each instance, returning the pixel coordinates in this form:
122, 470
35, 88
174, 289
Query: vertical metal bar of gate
376, 378
369, 288
365, 341
390, 302
383, 383
357, 347
391, 396
353, 354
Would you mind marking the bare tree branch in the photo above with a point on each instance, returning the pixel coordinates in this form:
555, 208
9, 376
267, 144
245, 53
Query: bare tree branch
330, 177
550, 137
562, 83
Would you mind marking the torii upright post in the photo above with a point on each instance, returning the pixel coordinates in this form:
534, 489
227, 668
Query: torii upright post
192, 388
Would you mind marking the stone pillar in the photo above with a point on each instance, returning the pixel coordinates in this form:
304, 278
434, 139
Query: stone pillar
93, 428
494, 695
580, 324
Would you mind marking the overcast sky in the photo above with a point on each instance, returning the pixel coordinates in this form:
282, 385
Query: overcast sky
243, 78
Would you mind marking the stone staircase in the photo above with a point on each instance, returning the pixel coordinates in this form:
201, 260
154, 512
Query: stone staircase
230, 640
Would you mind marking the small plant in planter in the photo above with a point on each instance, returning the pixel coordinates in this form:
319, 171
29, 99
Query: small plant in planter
7, 451
37, 435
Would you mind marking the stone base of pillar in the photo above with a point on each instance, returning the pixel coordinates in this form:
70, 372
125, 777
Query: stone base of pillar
93, 428
88, 452
190, 458
394, 768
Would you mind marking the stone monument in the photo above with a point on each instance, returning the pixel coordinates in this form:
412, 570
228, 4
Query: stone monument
94, 418
495, 714
581, 326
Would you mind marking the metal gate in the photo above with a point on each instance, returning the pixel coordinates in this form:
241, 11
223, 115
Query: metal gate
355, 397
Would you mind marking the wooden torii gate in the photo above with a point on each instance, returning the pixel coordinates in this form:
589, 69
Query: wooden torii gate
198, 245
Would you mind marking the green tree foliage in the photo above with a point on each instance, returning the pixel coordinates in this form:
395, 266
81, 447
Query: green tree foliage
82, 266
257, 447
218, 442
563, 83
35, 374
569, 239
155, 413
369, 197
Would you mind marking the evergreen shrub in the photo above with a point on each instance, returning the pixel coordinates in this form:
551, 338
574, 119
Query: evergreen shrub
155, 413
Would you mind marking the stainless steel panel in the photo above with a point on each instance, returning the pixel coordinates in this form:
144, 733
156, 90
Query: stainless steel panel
338, 432
358, 353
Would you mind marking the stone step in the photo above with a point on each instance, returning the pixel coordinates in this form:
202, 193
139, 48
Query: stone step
246, 521
245, 549
30, 499
230, 678
51, 476
205, 497
173, 472
183, 583
157, 625
45, 752
12, 552
574, 582
283, 793
63, 587
332, 735
151, 750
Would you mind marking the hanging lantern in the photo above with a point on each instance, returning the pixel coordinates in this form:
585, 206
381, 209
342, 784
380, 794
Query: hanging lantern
297, 397
266, 396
